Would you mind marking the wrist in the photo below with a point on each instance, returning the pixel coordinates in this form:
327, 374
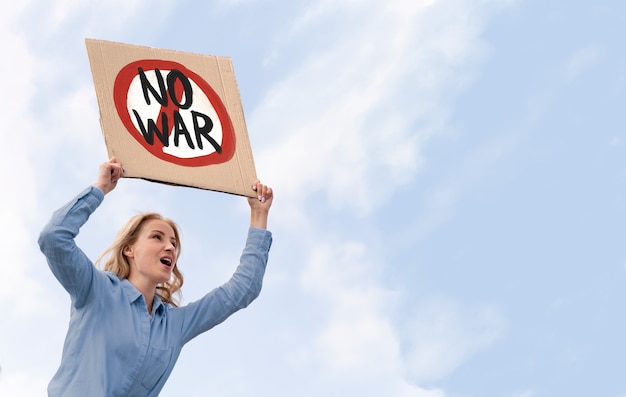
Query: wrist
258, 219
99, 187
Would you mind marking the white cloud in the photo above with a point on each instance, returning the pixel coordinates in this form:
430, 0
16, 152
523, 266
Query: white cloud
444, 334
17, 202
351, 119
358, 335
22, 384
527, 393
97, 18
582, 60
349, 123
355, 338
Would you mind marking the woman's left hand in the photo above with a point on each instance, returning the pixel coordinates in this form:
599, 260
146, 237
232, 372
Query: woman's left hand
260, 205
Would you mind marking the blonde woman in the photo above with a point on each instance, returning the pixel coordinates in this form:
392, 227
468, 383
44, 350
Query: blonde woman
126, 329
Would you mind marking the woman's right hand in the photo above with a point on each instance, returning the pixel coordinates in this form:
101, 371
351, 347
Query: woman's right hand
108, 175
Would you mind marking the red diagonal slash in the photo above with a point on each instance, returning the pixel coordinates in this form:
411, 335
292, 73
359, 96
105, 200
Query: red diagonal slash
170, 108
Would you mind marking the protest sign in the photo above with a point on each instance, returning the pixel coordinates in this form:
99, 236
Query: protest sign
172, 117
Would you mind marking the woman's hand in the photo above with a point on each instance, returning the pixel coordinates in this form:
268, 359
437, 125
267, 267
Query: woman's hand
260, 205
108, 175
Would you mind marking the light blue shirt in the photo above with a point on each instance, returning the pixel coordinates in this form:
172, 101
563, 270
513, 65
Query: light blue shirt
113, 346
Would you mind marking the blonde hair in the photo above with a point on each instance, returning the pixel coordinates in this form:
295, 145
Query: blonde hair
114, 260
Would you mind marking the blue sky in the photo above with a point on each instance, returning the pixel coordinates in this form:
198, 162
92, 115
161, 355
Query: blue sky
450, 189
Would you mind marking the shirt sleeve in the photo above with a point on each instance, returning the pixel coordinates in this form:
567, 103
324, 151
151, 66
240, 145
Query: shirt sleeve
68, 263
237, 293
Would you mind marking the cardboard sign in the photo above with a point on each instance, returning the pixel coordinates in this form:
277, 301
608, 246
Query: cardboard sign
172, 117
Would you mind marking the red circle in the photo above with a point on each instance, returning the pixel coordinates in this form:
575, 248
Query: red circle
120, 97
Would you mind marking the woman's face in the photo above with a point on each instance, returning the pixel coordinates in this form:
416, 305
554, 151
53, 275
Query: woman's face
153, 256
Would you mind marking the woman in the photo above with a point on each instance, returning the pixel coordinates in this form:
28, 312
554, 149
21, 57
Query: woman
126, 331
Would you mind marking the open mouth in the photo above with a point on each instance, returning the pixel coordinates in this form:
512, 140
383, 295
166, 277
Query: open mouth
166, 261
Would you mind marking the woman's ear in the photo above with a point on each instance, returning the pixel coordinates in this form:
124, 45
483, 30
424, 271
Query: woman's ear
128, 251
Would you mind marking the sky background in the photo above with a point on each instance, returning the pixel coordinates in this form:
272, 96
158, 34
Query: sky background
450, 181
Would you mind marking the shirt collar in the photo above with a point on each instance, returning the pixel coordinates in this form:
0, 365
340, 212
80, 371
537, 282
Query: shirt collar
157, 305
133, 294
